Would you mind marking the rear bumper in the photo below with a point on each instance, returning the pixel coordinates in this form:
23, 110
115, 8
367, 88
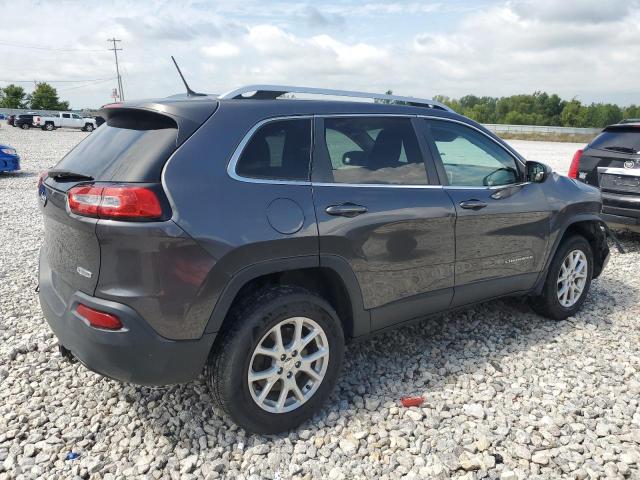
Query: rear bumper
9, 164
135, 354
620, 222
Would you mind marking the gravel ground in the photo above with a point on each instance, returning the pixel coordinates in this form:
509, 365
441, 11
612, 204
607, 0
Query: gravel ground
508, 394
557, 155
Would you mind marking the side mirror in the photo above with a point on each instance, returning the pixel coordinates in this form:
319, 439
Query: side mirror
536, 172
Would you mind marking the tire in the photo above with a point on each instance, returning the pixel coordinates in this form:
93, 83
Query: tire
25, 126
88, 128
549, 303
49, 127
253, 323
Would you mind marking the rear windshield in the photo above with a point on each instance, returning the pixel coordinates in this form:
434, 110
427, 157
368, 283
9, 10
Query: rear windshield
618, 139
131, 148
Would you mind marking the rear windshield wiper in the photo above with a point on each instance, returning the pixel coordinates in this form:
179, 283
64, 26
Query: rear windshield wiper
67, 175
616, 148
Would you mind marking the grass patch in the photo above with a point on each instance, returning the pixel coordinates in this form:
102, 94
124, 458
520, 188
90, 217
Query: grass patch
548, 137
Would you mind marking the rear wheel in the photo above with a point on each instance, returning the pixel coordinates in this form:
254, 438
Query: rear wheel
279, 361
568, 280
25, 126
88, 127
49, 127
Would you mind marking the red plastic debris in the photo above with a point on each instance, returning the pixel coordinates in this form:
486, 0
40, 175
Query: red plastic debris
411, 401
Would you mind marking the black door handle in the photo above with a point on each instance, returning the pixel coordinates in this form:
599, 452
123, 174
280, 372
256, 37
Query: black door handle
472, 204
346, 210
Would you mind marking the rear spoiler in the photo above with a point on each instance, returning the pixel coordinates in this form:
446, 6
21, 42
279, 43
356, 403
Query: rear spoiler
186, 114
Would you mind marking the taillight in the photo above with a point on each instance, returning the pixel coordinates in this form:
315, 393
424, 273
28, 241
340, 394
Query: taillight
85, 200
115, 202
575, 164
41, 179
99, 319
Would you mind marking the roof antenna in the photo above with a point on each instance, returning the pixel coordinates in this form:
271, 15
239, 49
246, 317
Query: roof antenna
190, 93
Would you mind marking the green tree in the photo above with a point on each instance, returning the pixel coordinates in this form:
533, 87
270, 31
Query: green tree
13, 96
45, 97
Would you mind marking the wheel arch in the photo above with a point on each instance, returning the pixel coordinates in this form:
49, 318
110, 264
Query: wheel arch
330, 277
588, 226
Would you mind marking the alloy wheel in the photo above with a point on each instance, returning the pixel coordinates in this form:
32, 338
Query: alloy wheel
572, 278
288, 365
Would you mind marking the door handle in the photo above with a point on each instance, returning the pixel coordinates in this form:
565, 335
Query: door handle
472, 204
346, 210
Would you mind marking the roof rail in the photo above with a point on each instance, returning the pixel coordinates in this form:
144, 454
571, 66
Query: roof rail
270, 92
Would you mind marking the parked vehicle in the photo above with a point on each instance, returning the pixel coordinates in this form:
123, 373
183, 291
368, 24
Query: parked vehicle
254, 236
629, 120
612, 163
66, 120
24, 121
2, 116
99, 120
9, 159
10, 120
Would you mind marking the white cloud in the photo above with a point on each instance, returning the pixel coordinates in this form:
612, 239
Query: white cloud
221, 50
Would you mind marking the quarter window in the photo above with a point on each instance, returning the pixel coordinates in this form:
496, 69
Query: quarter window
279, 150
374, 150
470, 158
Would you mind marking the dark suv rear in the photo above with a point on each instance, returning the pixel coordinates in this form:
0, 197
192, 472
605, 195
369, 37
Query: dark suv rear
24, 121
251, 237
612, 163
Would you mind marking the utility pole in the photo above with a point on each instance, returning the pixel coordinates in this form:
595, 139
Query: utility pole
115, 52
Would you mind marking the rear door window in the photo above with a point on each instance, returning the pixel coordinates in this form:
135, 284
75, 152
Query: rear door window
374, 150
279, 150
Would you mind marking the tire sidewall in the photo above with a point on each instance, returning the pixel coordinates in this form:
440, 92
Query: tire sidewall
551, 288
239, 401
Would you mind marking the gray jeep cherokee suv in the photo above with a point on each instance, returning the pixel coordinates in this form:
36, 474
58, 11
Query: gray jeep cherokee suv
251, 237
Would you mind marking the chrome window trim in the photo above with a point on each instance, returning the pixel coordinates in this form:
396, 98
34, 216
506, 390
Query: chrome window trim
627, 172
375, 185
231, 166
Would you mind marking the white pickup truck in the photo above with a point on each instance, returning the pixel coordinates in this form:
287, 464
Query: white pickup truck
65, 120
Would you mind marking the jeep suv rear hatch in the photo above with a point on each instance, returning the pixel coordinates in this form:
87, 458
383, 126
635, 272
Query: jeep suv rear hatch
115, 173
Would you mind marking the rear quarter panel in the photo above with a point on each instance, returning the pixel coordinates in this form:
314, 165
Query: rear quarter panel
228, 217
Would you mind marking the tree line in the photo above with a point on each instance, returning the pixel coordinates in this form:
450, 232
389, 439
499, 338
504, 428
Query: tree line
43, 97
539, 109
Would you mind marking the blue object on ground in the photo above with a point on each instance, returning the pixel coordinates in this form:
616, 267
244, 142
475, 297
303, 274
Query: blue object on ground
9, 159
72, 456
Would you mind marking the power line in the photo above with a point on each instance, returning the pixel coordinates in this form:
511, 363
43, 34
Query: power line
115, 52
87, 84
38, 47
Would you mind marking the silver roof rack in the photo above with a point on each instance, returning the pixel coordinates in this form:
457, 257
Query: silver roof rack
270, 92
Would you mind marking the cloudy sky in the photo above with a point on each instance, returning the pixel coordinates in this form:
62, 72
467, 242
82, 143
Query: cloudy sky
589, 49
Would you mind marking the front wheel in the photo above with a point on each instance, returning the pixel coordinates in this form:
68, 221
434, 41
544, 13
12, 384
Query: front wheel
49, 127
568, 280
279, 361
88, 128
